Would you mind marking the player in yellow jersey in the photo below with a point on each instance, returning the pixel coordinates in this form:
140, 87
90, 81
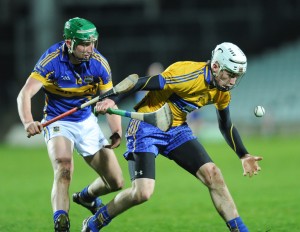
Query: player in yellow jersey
185, 86
70, 73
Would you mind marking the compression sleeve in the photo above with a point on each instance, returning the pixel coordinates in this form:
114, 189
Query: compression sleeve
147, 83
230, 133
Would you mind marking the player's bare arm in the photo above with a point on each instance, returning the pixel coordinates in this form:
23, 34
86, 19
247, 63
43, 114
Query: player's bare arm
31, 87
114, 122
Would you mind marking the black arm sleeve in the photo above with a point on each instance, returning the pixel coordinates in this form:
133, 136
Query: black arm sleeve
230, 133
149, 83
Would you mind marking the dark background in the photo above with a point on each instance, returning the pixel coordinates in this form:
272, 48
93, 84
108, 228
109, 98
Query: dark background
135, 33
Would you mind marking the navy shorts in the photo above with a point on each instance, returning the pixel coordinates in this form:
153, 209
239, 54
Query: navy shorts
143, 137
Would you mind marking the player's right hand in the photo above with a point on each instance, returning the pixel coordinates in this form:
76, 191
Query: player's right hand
33, 128
115, 140
250, 165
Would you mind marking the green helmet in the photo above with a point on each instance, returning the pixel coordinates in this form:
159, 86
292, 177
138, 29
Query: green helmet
80, 30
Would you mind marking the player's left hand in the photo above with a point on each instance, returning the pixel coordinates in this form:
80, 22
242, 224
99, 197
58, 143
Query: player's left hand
250, 165
102, 106
115, 141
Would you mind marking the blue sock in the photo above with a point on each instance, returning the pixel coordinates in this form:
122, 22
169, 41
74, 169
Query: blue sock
237, 223
86, 196
57, 213
100, 219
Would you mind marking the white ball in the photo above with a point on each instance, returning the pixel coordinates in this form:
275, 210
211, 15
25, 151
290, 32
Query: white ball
259, 111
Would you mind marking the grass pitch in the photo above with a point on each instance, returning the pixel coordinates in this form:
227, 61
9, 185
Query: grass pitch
267, 202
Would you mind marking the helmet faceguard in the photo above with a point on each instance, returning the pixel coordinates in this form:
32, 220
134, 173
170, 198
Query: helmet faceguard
231, 59
80, 32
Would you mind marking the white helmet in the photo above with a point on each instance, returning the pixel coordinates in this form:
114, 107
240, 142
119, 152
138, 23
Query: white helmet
231, 58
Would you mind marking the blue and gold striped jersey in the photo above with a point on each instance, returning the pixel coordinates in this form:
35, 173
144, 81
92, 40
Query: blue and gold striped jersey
188, 87
67, 85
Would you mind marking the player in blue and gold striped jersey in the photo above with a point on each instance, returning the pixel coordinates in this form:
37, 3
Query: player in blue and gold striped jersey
70, 73
185, 86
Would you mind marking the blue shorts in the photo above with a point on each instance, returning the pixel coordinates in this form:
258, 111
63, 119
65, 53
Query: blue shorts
143, 137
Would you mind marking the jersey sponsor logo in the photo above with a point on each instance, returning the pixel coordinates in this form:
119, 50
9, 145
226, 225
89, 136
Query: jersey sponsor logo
92, 89
64, 91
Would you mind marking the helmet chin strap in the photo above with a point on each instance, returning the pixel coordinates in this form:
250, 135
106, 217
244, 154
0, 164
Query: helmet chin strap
71, 52
76, 58
81, 59
219, 87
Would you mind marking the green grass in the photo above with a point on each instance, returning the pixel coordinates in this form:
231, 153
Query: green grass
267, 202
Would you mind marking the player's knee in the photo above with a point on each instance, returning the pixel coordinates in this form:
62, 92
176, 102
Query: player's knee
140, 196
117, 184
63, 172
211, 175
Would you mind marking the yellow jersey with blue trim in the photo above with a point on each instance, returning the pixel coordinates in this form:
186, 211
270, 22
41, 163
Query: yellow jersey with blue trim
67, 85
188, 86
